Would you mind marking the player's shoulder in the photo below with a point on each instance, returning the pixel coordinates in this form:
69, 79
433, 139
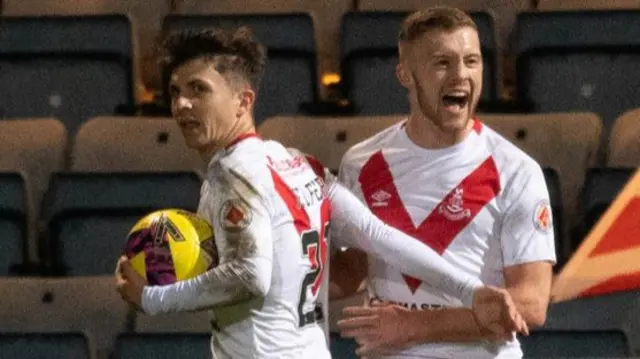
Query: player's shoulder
515, 167
361, 151
246, 162
506, 153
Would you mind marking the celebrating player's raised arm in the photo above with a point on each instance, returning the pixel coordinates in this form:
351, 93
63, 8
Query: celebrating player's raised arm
240, 216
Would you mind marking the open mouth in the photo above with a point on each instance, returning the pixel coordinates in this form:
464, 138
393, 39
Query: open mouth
188, 123
455, 100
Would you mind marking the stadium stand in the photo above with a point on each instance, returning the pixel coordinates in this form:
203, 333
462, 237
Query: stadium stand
41, 345
146, 17
61, 305
13, 222
188, 322
543, 343
121, 144
326, 138
616, 311
160, 346
578, 61
68, 67
93, 213
326, 19
587, 4
290, 78
601, 186
624, 142
368, 55
83, 66
34, 147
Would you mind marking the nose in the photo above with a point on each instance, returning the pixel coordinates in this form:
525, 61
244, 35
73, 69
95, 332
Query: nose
181, 103
460, 70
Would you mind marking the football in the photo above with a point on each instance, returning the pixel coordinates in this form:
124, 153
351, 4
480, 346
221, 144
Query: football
171, 245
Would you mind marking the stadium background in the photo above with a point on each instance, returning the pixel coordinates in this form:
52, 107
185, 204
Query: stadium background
87, 147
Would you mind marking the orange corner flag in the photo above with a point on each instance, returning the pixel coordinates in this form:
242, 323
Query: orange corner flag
608, 260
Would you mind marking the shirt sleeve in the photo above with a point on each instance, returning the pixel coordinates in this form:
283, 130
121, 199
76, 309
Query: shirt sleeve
358, 227
527, 230
243, 234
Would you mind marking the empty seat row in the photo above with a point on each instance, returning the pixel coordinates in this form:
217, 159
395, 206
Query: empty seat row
70, 53
85, 217
540, 344
37, 311
566, 143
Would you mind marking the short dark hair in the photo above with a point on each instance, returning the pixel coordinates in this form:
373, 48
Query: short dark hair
234, 52
434, 18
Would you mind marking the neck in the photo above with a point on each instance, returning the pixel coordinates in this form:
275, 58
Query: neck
241, 127
426, 134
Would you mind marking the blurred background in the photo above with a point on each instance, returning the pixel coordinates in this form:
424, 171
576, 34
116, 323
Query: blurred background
87, 146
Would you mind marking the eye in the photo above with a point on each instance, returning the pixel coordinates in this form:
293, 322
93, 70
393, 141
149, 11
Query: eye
474, 61
174, 91
199, 88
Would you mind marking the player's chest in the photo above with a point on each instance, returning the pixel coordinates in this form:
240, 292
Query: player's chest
436, 200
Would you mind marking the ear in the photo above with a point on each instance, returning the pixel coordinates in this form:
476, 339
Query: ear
247, 98
403, 75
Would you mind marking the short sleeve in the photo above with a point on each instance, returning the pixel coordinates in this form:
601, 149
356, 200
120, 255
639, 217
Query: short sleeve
527, 230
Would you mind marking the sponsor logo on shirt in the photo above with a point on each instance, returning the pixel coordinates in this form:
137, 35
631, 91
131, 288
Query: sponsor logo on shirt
380, 199
453, 208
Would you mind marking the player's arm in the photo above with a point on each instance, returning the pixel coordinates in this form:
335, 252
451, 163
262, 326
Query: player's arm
245, 264
355, 226
528, 246
528, 253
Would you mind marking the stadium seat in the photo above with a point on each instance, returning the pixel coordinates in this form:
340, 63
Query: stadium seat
555, 197
326, 19
616, 311
52, 305
13, 222
601, 187
116, 144
326, 138
34, 147
40, 345
624, 142
290, 77
505, 10
146, 17
587, 4
566, 142
596, 71
161, 346
369, 56
576, 344
90, 213
342, 348
184, 322
77, 66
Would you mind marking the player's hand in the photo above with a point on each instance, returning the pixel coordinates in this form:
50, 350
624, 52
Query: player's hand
376, 329
495, 311
129, 283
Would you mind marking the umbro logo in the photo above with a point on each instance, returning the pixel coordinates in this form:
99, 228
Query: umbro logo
380, 198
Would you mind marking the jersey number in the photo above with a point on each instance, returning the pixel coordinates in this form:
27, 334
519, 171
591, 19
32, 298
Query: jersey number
314, 247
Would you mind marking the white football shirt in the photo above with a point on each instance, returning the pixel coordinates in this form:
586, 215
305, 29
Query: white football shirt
262, 201
482, 204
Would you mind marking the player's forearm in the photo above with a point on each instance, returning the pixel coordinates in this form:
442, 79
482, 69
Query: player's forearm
443, 325
228, 282
353, 223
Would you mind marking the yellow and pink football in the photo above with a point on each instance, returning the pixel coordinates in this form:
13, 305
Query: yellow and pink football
171, 245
